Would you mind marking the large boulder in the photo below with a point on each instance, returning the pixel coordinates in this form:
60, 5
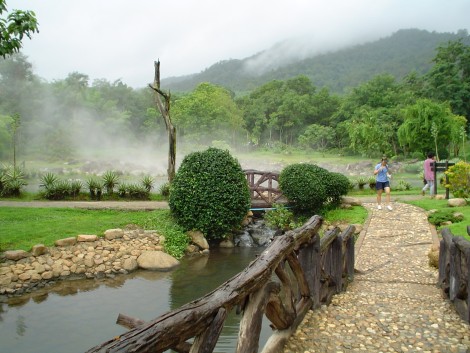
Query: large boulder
38, 250
66, 241
353, 201
16, 255
157, 261
198, 238
457, 202
112, 234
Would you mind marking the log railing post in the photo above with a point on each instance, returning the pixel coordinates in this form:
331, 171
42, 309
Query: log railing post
205, 342
444, 259
251, 322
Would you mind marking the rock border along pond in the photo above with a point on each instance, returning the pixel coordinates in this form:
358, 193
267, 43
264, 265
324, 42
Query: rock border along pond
120, 251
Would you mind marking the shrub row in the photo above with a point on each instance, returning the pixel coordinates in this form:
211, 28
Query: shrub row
60, 189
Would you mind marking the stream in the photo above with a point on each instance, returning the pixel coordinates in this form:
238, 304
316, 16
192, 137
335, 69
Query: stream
76, 315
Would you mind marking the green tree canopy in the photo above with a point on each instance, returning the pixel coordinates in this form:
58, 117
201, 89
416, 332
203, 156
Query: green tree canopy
449, 78
14, 27
422, 121
208, 113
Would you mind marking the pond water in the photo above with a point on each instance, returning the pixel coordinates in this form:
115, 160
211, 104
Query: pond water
74, 316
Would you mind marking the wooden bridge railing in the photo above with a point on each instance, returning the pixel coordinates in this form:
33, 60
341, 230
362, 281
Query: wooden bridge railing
319, 268
264, 190
454, 271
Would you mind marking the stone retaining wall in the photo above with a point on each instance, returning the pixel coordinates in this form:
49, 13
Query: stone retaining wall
84, 256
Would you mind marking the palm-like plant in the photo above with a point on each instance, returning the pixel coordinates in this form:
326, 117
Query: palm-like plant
147, 181
93, 186
361, 181
110, 181
12, 180
48, 180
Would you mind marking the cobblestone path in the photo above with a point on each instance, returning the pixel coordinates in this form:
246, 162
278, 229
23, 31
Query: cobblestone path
394, 304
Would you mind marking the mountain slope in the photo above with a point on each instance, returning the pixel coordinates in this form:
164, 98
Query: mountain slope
405, 51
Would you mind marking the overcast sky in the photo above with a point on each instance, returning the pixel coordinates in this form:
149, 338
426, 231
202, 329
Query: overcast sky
120, 39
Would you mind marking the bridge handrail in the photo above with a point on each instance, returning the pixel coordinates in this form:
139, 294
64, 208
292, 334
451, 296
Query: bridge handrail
321, 268
454, 271
268, 194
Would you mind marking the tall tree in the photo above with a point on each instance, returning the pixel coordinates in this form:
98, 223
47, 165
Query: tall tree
449, 78
209, 113
426, 122
14, 27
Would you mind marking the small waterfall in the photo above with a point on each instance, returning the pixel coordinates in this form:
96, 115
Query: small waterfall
257, 233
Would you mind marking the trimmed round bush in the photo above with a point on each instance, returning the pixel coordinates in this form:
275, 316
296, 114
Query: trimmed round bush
304, 185
337, 185
311, 187
209, 193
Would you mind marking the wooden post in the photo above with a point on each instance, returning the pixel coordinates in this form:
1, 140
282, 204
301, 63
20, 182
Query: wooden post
447, 181
165, 111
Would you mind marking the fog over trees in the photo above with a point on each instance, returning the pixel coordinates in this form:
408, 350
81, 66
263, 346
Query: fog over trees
75, 118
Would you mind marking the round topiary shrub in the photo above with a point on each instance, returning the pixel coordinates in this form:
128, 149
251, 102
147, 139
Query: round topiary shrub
337, 185
209, 193
304, 185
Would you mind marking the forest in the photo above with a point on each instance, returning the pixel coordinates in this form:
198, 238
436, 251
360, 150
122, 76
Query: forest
422, 111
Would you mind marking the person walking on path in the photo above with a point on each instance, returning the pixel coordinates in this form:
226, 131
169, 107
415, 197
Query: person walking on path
382, 183
429, 174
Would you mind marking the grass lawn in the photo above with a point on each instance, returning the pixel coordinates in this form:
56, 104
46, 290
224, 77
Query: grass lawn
459, 228
21, 228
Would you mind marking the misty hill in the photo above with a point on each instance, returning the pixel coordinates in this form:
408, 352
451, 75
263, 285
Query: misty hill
404, 51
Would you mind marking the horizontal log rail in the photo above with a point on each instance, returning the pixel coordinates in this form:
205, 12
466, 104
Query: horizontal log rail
454, 271
297, 272
264, 187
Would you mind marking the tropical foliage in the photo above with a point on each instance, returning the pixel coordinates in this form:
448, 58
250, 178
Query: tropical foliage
14, 27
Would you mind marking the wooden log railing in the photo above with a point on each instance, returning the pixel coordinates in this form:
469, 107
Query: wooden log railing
454, 271
319, 268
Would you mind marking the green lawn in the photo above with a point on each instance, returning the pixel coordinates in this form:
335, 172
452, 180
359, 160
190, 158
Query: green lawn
21, 228
459, 228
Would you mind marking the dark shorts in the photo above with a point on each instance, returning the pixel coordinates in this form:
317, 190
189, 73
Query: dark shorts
382, 185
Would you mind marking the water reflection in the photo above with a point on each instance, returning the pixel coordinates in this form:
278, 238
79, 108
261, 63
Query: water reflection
73, 316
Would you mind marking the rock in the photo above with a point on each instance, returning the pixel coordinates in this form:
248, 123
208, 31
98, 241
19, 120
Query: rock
112, 234
66, 241
5, 280
458, 216
353, 201
359, 228
191, 249
16, 255
198, 238
47, 275
87, 237
130, 264
38, 250
226, 243
457, 202
156, 260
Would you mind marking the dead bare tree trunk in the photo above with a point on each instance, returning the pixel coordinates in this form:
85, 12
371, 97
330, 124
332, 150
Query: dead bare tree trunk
165, 111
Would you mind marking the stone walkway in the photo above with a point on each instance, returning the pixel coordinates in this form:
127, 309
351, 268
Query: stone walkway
394, 304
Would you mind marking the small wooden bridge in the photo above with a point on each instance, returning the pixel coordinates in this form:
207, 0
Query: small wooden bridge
264, 189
